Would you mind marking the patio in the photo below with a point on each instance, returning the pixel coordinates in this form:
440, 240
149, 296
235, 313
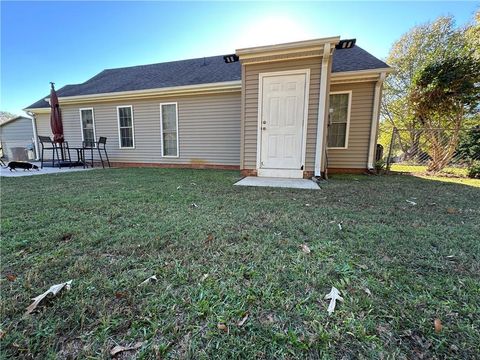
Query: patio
5, 172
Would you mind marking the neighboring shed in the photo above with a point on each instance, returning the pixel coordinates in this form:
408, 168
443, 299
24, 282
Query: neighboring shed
16, 134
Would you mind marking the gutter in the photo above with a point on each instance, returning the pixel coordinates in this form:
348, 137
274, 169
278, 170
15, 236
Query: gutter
374, 124
198, 89
35, 137
322, 102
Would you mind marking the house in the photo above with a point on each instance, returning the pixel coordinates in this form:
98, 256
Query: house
286, 110
17, 136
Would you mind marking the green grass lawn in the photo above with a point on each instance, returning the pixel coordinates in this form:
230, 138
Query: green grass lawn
456, 171
236, 253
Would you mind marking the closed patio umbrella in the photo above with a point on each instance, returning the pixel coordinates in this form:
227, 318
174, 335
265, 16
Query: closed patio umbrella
55, 116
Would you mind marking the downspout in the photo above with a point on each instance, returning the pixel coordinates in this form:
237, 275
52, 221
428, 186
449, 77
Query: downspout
35, 137
322, 101
374, 125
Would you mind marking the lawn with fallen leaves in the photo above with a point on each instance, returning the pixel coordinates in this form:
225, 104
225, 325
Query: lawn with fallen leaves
238, 272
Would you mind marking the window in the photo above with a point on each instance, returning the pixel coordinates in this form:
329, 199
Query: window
339, 120
125, 127
169, 129
87, 120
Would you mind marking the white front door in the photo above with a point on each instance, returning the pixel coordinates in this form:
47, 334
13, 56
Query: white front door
282, 124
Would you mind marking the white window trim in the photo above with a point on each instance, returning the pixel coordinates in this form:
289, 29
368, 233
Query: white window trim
349, 111
81, 125
133, 127
161, 129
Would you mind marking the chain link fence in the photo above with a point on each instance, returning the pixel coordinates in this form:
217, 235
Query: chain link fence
440, 151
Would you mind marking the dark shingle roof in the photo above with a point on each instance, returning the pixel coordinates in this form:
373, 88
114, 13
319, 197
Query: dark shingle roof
192, 72
355, 59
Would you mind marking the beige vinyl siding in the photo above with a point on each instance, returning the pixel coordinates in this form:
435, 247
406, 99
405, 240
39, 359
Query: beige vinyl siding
18, 133
208, 129
250, 125
43, 125
356, 155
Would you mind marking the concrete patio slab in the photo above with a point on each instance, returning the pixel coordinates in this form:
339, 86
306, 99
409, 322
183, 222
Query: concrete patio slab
5, 172
278, 182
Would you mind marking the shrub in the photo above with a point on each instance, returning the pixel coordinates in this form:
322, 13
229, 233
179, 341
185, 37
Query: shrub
380, 165
474, 170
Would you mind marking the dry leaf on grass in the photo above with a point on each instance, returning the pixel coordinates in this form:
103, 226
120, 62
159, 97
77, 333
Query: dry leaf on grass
438, 325
245, 318
119, 349
451, 210
120, 294
11, 277
150, 279
222, 327
55, 289
2, 334
333, 295
367, 291
210, 238
305, 249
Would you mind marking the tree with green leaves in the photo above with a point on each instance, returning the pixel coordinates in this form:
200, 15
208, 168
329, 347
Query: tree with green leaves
446, 92
407, 55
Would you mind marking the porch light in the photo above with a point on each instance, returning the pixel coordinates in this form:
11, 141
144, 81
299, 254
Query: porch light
230, 58
346, 44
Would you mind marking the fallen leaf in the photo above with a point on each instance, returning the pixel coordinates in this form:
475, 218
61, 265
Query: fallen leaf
204, 277
54, 290
2, 334
193, 184
438, 325
245, 318
333, 295
305, 249
411, 202
209, 238
367, 291
308, 205
340, 226
150, 279
11, 277
451, 210
178, 187
118, 349
223, 327
194, 205
120, 294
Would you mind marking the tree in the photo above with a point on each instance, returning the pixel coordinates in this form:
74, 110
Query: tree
408, 54
469, 146
5, 115
446, 92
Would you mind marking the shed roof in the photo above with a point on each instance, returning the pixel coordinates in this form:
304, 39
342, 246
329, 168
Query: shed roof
206, 70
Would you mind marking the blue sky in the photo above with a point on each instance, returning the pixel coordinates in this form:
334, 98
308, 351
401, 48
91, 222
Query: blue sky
69, 42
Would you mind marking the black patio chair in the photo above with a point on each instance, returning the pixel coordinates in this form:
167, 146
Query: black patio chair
1, 156
47, 144
88, 145
101, 145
